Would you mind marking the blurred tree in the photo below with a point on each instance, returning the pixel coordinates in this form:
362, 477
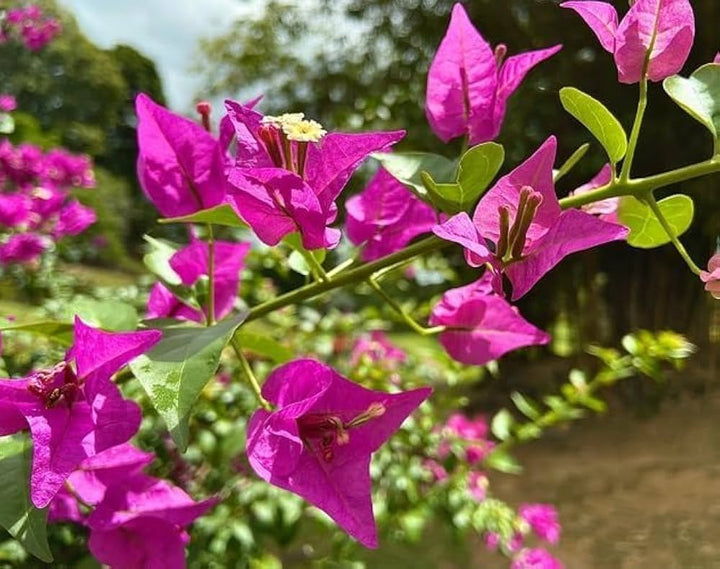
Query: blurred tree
362, 64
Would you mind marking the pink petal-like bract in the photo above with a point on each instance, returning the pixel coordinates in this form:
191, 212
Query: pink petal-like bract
318, 441
190, 263
484, 325
386, 216
73, 416
659, 32
551, 234
181, 167
601, 17
462, 80
468, 84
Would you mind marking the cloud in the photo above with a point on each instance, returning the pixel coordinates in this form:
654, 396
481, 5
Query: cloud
167, 31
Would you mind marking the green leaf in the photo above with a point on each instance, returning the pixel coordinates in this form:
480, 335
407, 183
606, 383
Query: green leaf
502, 461
571, 162
407, 167
478, 167
110, 315
502, 423
60, 332
699, 96
264, 346
222, 214
598, 120
157, 260
645, 230
18, 516
7, 124
526, 406
175, 371
297, 261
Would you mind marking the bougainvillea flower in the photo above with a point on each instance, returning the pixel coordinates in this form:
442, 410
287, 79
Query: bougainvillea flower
74, 218
711, 277
521, 218
482, 324
477, 485
717, 58
378, 349
535, 559
386, 216
141, 523
469, 84
191, 263
93, 477
318, 441
473, 435
664, 28
23, 248
180, 166
543, 519
604, 209
7, 103
15, 210
74, 411
321, 164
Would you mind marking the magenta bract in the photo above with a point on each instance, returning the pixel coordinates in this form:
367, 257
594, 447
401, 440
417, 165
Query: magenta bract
484, 326
386, 216
521, 216
76, 413
661, 31
318, 441
469, 85
280, 186
190, 263
711, 277
180, 166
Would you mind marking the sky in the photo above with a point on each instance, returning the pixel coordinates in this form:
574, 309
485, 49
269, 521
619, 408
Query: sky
166, 31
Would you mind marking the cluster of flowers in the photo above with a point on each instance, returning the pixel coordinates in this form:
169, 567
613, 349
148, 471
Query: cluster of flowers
28, 25
283, 174
82, 466
36, 207
464, 443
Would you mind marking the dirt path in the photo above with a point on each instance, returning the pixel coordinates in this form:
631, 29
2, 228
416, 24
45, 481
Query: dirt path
632, 494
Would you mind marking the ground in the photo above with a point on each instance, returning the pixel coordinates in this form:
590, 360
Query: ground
632, 494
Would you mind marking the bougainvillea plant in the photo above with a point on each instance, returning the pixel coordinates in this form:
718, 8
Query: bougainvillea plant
313, 430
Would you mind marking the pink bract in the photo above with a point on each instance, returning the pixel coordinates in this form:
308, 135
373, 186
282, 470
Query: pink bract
386, 216
543, 519
711, 277
276, 198
180, 166
73, 414
469, 84
190, 263
545, 235
664, 28
318, 441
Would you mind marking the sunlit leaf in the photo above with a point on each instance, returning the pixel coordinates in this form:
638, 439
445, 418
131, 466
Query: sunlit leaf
646, 232
598, 120
175, 371
18, 516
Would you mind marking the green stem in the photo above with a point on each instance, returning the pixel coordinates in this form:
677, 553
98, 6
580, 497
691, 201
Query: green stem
643, 185
409, 320
650, 200
635, 133
249, 375
210, 316
352, 276
315, 267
